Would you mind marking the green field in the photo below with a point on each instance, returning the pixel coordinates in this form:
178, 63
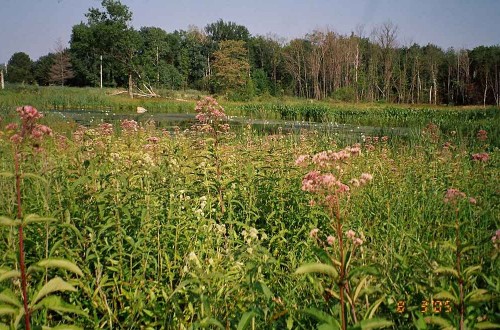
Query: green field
205, 228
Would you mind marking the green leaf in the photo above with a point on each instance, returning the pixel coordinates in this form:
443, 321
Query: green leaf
19, 317
265, 290
7, 310
449, 245
468, 248
472, 269
34, 218
207, 322
487, 325
373, 308
36, 177
57, 304
7, 296
4, 326
56, 284
63, 327
443, 323
245, 320
322, 317
376, 323
8, 222
446, 295
8, 274
360, 286
7, 175
363, 270
318, 268
446, 270
60, 263
478, 295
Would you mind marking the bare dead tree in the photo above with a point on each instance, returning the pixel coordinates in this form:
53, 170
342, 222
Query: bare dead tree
61, 70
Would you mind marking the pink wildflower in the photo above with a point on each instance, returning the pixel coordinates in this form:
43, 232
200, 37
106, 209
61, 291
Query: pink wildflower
481, 157
28, 113
472, 200
496, 239
129, 126
16, 139
330, 240
482, 135
351, 234
302, 160
314, 232
358, 241
11, 127
342, 188
209, 110
355, 182
447, 145
367, 177
452, 195
153, 139
315, 181
355, 151
320, 158
105, 129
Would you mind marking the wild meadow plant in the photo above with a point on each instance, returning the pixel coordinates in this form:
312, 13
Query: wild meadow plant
339, 250
212, 122
460, 283
26, 141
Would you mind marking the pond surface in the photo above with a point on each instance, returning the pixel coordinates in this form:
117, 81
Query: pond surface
185, 120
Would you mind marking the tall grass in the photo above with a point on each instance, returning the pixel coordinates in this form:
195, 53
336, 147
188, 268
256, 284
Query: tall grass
139, 212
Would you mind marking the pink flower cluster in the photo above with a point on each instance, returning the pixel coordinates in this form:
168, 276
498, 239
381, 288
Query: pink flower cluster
351, 234
481, 157
105, 129
314, 234
326, 158
209, 110
302, 160
79, 133
153, 139
28, 113
454, 195
496, 239
482, 135
129, 126
376, 139
29, 127
314, 182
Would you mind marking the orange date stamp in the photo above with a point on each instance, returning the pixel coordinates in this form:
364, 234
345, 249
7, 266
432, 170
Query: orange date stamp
428, 306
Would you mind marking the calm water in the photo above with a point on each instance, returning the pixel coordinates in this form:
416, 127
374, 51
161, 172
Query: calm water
185, 120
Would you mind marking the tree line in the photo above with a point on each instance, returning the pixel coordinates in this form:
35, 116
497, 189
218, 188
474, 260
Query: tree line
225, 59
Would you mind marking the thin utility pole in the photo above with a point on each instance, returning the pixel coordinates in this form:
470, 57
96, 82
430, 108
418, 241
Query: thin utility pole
1, 79
157, 66
101, 71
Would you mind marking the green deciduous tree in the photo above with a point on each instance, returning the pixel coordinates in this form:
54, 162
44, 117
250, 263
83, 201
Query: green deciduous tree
41, 69
231, 66
20, 68
107, 33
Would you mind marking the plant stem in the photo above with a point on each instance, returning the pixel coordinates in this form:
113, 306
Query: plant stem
342, 262
22, 264
460, 280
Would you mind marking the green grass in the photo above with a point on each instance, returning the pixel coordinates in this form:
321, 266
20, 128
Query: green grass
144, 222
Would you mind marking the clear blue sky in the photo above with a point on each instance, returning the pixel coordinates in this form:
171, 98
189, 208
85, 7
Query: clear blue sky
34, 26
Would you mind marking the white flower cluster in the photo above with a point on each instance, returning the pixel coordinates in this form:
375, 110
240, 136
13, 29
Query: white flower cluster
253, 235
